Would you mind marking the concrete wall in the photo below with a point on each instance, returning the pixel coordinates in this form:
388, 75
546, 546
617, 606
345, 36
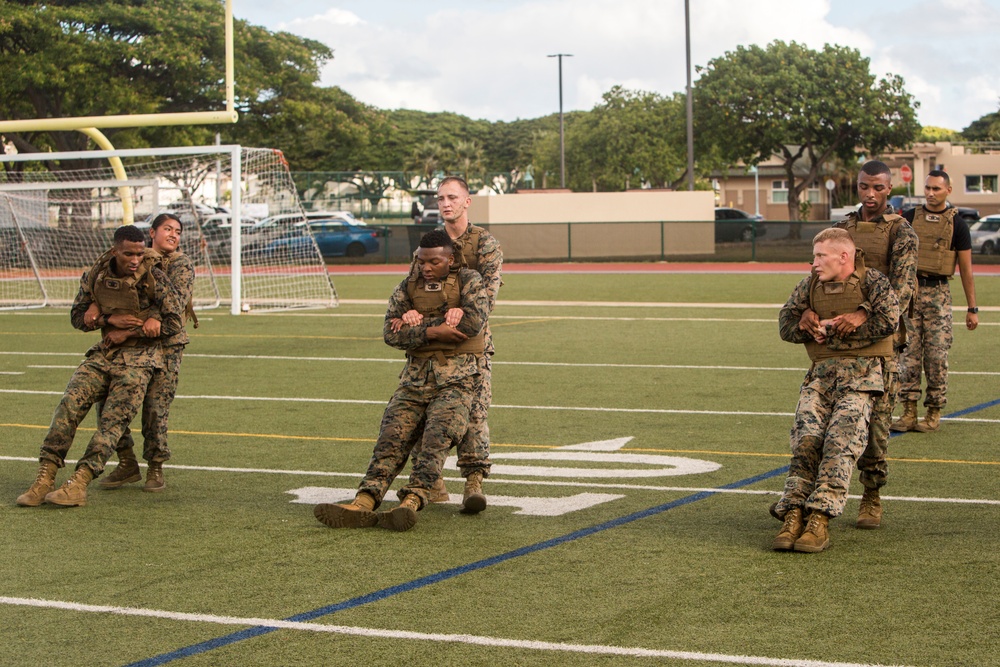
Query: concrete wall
531, 225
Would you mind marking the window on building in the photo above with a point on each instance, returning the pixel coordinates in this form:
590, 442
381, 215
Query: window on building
985, 184
779, 193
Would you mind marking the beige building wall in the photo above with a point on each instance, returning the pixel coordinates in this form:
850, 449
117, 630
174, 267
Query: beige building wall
959, 164
530, 225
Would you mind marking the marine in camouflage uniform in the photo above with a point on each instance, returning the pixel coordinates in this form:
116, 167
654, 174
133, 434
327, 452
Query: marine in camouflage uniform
890, 246
477, 249
945, 242
162, 387
480, 251
433, 401
114, 372
837, 394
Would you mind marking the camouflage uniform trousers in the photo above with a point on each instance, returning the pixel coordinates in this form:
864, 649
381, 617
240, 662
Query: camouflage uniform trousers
441, 412
830, 432
474, 450
929, 334
873, 468
121, 387
156, 408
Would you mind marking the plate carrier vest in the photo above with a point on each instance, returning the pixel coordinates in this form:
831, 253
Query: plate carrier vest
935, 232
120, 296
834, 298
431, 300
875, 238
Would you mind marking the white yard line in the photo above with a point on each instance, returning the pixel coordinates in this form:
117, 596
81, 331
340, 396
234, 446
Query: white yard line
477, 640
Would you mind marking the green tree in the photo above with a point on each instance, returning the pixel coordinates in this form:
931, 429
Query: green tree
986, 128
630, 139
107, 57
803, 106
930, 133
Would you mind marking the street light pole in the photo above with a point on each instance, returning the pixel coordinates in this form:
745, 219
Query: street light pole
690, 100
562, 136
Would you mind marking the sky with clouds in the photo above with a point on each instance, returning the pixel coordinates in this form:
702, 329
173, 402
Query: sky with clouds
488, 58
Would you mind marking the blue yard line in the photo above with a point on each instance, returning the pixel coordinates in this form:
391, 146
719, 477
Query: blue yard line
444, 575
974, 408
953, 415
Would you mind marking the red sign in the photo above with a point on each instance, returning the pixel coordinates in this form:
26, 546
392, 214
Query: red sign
906, 173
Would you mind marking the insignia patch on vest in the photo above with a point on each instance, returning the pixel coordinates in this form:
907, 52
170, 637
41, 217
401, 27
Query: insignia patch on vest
432, 287
932, 218
866, 226
833, 288
112, 283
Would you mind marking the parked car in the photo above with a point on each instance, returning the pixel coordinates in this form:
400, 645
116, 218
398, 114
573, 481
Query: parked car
336, 237
732, 224
986, 235
218, 228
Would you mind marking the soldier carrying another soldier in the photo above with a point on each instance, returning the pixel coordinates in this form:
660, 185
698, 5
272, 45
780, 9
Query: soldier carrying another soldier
436, 387
839, 390
139, 308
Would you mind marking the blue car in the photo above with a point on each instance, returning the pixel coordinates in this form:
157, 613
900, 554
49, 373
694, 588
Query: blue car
335, 237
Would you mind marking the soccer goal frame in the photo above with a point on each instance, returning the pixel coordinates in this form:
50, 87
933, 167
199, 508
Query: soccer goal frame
307, 266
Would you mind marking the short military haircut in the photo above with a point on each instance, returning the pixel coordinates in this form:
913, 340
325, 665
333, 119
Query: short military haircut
456, 179
437, 238
876, 168
164, 217
840, 238
129, 233
940, 174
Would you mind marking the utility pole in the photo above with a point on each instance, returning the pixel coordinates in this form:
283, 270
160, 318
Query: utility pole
690, 96
562, 135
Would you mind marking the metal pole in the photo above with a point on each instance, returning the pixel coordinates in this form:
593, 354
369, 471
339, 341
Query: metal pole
690, 102
756, 192
562, 135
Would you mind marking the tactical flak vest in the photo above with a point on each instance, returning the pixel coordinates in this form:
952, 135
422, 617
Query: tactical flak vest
120, 296
834, 298
433, 300
875, 238
935, 231
467, 247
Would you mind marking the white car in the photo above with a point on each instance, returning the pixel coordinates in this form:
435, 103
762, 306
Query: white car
986, 235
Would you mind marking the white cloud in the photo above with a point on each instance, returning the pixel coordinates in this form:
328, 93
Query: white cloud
488, 59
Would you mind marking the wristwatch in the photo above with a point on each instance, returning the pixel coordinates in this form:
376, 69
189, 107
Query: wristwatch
974, 310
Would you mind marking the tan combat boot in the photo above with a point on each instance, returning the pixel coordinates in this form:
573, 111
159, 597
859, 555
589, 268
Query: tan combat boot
790, 531
870, 512
402, 517
815, 537
154, 477
439, 492
126, 472
73, 492
44, 483
473, 500
908, 420
358, 514
930, 422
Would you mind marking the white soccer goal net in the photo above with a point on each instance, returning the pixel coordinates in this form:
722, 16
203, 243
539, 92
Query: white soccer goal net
54, 223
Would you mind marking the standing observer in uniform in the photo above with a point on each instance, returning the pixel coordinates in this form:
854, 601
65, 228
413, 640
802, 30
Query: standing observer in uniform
945, 242
436, 389
138, 307
165, 237
476, 249
840, 388
890, 246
